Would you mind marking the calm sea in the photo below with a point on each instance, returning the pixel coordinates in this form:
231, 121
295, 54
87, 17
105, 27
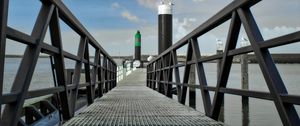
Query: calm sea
261, 112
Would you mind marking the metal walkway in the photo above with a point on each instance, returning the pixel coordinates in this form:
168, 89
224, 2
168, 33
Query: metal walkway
131, 103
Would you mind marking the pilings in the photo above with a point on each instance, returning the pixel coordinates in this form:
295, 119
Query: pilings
245, 85
164, 27
165, 40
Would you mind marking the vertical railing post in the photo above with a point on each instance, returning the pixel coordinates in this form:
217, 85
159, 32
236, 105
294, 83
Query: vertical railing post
186, 74
169, 76
152, 76
3, 25
160, 76
147, 76
219, 67
155, 76
192, 91
176, 74
165, 75
109, 75
95, 72
100, 76
105, 74
114, 75
89, 88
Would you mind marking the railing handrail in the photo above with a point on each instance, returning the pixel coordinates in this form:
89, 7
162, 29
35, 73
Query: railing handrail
122, 71
160, 69
67, 84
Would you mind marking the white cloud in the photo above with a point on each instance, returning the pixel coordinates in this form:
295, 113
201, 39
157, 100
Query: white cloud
115, 5
277, 31
125, 13
151, 4
129, 16
269, 33
182, 28
198, 0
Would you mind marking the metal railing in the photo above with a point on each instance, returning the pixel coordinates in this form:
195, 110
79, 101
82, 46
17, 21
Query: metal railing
102, 73
160, 70
123, 71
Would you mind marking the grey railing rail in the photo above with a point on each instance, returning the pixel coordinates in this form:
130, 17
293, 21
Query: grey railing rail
160, 70
100, 73
123, 71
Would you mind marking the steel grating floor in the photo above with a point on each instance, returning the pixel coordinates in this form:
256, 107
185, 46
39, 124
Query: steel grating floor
133, 104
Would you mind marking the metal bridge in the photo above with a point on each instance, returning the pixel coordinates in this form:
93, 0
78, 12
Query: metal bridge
132, 103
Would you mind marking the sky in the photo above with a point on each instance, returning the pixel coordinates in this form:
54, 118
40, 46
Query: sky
113, 23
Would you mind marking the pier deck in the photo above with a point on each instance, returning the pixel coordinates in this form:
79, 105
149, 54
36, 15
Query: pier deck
131, 103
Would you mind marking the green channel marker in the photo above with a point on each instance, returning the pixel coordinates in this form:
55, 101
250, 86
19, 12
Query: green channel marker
138, 38
137, 43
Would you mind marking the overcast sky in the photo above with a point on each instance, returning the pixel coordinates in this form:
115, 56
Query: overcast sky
114, 22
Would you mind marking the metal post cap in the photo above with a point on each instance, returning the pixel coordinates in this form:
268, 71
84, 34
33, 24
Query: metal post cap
138, 34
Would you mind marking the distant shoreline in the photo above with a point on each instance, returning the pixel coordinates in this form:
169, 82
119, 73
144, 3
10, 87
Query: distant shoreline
278, 58
21, 56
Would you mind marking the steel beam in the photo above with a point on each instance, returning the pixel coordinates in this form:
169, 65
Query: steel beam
201, 77
232, 38
95, 70
186, 73
3, 27
287, 112
87, 71
77, 73
100, 77
59, 64
19, 36
21, 84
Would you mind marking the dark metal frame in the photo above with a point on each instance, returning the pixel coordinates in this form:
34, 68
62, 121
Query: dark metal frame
49, 15
239, 13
